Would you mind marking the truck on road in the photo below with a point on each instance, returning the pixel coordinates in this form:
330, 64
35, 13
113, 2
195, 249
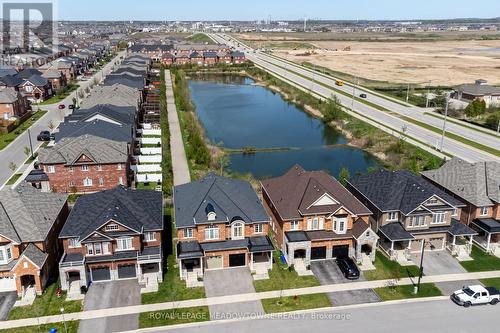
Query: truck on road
476, 295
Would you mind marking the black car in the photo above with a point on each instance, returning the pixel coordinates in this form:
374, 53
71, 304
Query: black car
348, 268
362, 95
44, 136
71, 106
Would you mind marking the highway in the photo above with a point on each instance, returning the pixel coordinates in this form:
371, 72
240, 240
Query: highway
309, 80
14, 152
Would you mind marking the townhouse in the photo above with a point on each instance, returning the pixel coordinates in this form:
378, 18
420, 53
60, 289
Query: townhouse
112, 235
13, 104
477, 185
409, 212
220, 223
30, 222
314, 217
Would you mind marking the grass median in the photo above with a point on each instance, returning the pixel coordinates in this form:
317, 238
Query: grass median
174, 317
71, 327
482, 262
295, 303
407, 291
389, 269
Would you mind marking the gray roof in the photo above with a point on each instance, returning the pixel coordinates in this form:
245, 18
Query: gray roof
488, 224
8, 96
27, 215
52, 74
116, 94
98, 128
37, 80
34, 254
478, 183
120, 114
398, 190
395, 232
478, 89
100, 150
7, 71
229, 199
11, 81
28, 72
36, 175
135, 209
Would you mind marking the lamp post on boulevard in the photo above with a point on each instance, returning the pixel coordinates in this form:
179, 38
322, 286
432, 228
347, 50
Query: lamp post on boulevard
444, 121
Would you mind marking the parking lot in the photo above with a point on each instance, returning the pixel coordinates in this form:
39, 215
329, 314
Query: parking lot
327, 272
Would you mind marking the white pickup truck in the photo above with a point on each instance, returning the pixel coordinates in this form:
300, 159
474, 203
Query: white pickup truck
476, 295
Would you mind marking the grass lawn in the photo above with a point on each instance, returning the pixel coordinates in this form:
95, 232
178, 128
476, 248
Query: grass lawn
402, 292
149, 186
13, 179
71, 325
294, 303
174, 317
5, 139
495, 282
280, 277
45, 305
482, 261
389, 269
57, 98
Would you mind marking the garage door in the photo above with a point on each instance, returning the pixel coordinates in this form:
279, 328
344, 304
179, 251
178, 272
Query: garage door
7, 283
214, 262
126, 271
340, 251
236, 260
318, 253
100, 274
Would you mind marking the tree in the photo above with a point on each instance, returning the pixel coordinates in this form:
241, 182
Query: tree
344, 176
493, 121
13, 166
332, 110
475, 108
27, 151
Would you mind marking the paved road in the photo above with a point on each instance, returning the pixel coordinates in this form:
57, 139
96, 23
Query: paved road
7, 300
429, 137
14, 152
328, 272
232, 281
103, 295
416, 317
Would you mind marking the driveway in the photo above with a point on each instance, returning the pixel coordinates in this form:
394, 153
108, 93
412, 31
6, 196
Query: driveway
7, 300
231, 281
442, 262
103, 295
327, 272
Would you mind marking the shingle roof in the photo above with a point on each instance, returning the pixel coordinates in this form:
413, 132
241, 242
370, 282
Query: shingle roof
100, 150
33, 253
8, 96
135, 209
99, 128
11, 81
231, 199
37, 80
27, 215
116, 94
398, 190
28, 72
294, 193
477, 183
395, 232
478, 89
120, 114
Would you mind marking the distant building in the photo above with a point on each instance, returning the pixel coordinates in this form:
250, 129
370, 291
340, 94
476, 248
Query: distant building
479, 90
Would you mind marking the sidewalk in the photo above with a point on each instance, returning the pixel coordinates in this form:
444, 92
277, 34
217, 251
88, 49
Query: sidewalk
179, 161
240, 298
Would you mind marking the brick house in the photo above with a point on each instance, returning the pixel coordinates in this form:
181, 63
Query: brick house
86, 164
220, 223
314, 217
30, 222
167, 58
56, 79
224, 58
112, 235
409, 212
182, 59
36, 88
196, 58
238, 57
477, 185
210, 58
13, 104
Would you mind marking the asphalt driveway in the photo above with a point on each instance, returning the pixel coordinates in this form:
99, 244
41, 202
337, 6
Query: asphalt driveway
231, 281
7, 300
327, 272
442, 262
103, 295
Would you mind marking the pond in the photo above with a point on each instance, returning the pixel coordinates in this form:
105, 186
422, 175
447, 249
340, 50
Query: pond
237, 114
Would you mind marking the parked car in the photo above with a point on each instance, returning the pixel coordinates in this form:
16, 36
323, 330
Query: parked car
362, 95
348, 268
476, 295
43, 136
71, 106
61, 106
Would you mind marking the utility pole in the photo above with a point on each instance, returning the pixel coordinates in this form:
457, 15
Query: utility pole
445, 118
353, 93
427, 96
498, 127
421, 269
31, 144
312, 83
408, 93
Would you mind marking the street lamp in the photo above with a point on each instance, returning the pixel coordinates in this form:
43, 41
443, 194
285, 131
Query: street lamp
64, 321
427, 96
445, 118
31, 144
421, 268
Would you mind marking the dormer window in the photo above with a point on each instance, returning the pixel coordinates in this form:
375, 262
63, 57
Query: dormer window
210, 211
112, 227
392, 216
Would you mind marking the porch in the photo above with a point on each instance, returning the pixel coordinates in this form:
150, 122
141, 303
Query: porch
72, 272
149, 268
488, 238
459, 240
190, 259
395, 242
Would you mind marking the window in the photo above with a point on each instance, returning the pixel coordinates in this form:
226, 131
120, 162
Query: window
87, 182
484, 211
112, 227
120, 180
72, 183
105, 248
51, 168
124, 244
150, 236
454, 212
98, 249
417, 221
258, 228
237, 230
432, 201
321, 223
392, 216
438, 218
9, 253
90, 249
74, 242
101, 181
188, 233
28, 88
309, 223
340, 225
6, 254
211, 232
294, 225
85, 167
99, 167
119, 166
315, 223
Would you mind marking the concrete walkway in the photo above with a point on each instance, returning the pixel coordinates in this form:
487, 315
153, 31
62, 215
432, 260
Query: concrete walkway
179, 161
241, 298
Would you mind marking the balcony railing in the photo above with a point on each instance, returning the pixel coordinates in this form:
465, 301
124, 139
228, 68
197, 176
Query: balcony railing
148, 257
75, 263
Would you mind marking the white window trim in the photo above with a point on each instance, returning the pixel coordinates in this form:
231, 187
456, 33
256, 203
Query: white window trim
112, 227
294, 223
188, 233
443, 219
392, 219
485, 213
411, 225
212, 229
51, 169
237, 224
148, 233
74, 246
4, 259
124, 239
260, 227
85, 167
87, 182
107, 247
337, 222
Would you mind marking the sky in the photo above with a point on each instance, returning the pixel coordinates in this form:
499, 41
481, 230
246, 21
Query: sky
171, 10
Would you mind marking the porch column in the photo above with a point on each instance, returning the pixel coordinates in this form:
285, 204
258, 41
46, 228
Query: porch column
488, 242
180, 269
470, 239
392, 245
251, 261
409, 244
201, 265
454, 240
270, 259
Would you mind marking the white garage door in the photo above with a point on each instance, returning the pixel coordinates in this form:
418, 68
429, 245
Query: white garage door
214, 262
7, 283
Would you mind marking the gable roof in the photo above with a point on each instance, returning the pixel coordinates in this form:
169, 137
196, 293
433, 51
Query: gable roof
477, 183
229, 199
36, 80
28, 72
135, 209
35, 255
8, 96
27, 215
98, 128
11, 81
398, 190
120, 114
294, 194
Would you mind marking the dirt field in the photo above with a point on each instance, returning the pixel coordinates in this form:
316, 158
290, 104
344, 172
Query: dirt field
443, 62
